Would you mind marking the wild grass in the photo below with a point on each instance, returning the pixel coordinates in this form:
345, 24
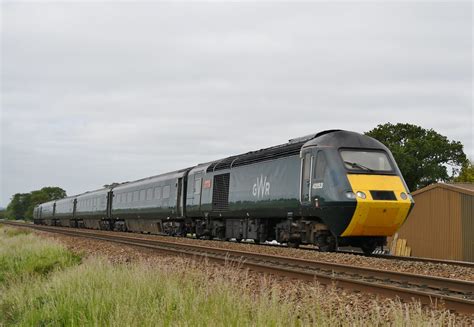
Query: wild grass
100, 293
10, 232
179, 292
24, 255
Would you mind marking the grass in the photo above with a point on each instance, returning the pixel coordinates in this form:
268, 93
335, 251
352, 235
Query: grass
178, 292
24, 255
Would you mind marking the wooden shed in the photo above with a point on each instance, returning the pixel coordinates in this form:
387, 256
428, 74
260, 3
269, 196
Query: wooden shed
441, 225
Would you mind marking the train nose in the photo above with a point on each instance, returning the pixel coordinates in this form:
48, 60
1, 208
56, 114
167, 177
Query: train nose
382, 205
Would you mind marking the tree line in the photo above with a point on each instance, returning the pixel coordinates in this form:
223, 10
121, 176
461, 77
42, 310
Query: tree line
22, 204
423, 155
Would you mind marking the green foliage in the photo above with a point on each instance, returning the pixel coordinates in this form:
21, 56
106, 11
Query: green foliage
18, 206
422, 155
22, 204
467, 173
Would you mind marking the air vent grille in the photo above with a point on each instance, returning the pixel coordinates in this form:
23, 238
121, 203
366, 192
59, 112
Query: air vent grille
220, 193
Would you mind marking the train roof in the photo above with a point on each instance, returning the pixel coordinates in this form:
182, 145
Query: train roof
94, 192
152, 179
341, 138
292, 147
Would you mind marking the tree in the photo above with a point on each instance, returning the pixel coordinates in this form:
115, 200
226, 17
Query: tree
23, 204
467, 173
422, 155
18, 206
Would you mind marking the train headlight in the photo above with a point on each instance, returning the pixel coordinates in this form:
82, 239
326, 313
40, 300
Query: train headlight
350, 195
403, 195
361, 195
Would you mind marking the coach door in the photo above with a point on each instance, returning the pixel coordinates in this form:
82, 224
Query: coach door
306, 168
197, 190
179, 198
110, 196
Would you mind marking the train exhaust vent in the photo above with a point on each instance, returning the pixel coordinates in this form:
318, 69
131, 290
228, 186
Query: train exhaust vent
383, 195
220, 193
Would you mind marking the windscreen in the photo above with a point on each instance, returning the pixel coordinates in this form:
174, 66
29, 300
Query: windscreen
366, 160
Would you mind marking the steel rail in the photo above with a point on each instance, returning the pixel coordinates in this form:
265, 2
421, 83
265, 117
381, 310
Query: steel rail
457, 295
415, 259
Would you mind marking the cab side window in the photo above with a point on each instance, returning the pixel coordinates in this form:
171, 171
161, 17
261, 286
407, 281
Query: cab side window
320, 167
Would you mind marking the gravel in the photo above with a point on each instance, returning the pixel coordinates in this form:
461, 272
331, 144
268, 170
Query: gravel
421, 268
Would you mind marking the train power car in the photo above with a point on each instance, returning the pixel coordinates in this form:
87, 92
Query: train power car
330, 189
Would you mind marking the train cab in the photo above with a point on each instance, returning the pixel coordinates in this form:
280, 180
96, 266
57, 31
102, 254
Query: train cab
352, 183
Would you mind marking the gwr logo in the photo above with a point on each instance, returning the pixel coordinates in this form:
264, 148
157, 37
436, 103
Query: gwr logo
261, 188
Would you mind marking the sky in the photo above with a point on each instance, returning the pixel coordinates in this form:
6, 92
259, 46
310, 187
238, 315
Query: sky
100, 92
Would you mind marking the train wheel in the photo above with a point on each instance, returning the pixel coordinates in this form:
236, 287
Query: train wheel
326, 243
369, 247
293, 244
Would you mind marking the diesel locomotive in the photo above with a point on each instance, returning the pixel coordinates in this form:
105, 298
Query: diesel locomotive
334, 188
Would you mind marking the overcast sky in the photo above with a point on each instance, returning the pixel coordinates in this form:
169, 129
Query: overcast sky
97, 93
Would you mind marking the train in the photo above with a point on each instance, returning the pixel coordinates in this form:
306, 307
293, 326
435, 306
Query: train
330, 189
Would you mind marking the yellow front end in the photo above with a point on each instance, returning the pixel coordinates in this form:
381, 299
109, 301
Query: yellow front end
377, 217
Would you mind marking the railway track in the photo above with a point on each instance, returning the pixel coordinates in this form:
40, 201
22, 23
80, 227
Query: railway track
388, 256
456, 295
416, 259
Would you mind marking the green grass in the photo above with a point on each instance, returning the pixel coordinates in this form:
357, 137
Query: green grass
23, 256
10, 232
177, 292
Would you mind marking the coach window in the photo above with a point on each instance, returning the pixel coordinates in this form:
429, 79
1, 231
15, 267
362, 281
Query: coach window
129, 197
135, 196
166, 192
320, 167
142, 195
158, 192
149, 194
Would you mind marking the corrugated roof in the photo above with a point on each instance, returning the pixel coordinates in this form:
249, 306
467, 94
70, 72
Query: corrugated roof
466, 188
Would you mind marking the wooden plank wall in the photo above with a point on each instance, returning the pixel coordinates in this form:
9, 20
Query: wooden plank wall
434, 227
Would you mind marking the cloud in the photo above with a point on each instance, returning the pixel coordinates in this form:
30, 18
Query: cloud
100, 92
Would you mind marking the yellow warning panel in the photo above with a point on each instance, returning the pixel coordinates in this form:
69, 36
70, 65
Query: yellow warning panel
377, 217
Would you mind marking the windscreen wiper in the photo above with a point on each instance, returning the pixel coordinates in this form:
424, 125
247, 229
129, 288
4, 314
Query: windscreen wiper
358, 165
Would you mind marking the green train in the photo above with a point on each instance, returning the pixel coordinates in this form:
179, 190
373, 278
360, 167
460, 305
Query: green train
330, 189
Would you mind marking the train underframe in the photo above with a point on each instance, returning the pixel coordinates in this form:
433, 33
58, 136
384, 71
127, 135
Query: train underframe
293, 232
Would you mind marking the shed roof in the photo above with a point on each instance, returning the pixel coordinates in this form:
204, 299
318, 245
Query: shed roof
465, 188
